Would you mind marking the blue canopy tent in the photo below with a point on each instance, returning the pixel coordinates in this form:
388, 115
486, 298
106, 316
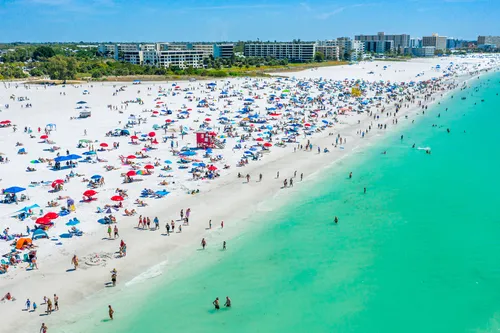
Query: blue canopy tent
39, 233
14, 189
27, 208
81, 102
72, 222
51, 127
95, 177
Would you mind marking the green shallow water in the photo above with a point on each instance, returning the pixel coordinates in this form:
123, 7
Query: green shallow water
419, 252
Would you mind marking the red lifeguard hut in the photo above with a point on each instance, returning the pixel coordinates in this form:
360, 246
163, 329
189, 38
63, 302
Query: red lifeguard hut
205, 139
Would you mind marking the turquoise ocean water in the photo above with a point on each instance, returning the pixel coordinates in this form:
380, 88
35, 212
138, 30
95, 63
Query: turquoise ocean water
419, 252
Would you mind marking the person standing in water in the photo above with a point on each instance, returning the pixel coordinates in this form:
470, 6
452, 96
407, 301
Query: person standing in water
110, 312
224, 245
203, 243
216, 303
228, 302
350, 175
365, 190
336, 220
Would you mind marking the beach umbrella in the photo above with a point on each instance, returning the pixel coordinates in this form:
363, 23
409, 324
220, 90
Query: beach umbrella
260, 139
57, 182
168, 161
81, 102
168, 120
89, 193
95, 177
131, 173
149, 167
134, 137
43, 137
212, 168
268, 144
151, 134
51, 215
208, 119
88, 153
131, 157
35, 162
104, 145
117, 198
43, 221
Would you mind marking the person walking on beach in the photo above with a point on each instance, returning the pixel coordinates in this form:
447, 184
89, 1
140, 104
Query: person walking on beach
109, 231
222, 224
203, 243
113, 277
49, 306
56, 302
28, 304
110, 312
182, 214
74, 262
301, 176
157, 223
277, 175
115, 231
224, 245
216, 303
248, 178
210, 224
43, 328
140, 222
291, 182
228, 302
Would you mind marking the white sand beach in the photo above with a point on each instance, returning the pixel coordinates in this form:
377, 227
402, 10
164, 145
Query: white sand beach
257, 125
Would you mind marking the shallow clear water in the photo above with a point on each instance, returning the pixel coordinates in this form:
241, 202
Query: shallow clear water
419, 252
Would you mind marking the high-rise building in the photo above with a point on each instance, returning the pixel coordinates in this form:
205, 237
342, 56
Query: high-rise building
223, 50
293, 51
350, 49
329, 48
489, 40
376, 42
166, 54
439, 42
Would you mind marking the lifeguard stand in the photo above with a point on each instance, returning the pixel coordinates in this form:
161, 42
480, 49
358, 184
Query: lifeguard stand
205, 140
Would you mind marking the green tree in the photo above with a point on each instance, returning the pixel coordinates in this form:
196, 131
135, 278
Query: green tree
319, 57
43, 52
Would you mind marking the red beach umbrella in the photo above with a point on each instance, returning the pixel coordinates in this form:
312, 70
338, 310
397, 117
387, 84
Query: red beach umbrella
51, 215
43, 137
268, 144
149, 167
155, 112
131, 173
116, 198
89, 193
151, 134
134, 137
104, 144
57, 182
208, 119
131, 157
43, 221
168, 120
307, 125
212, 168
259, 139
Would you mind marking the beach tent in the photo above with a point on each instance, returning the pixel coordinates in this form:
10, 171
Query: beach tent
21, 242
39, 233
14, 189
51, 127
27, 208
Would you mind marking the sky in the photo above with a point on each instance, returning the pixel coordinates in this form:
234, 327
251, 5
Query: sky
218, 20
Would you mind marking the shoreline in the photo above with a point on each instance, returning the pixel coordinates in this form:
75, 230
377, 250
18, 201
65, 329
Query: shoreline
88, 282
